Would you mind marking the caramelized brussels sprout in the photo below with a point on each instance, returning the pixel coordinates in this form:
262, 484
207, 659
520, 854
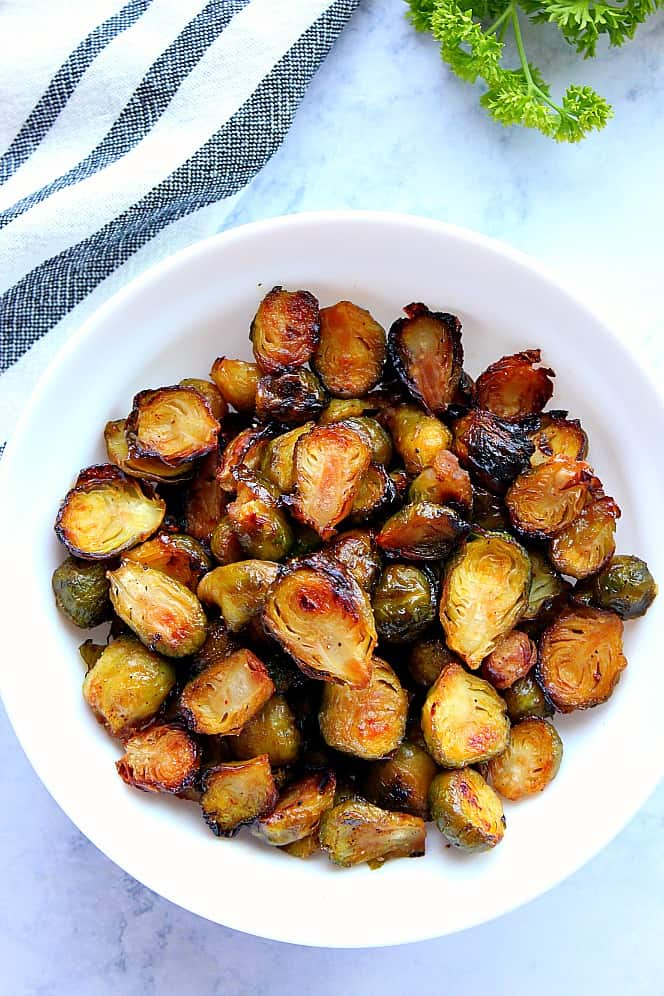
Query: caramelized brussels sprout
401, 481
357, 551
219, 643
163, 758
531, 761
319, 614
299, 809
164, 614
285, 330
588, 543
485, 593
105, 513
464, 719
558, 436
90, 653
291, 398
466, 810
581, 658
526, 700
626, 586
224, 542
272, 731
238, 590
173, 424
375, 495
401, 782
128, 685
423, 531
512, 658
350, 355
355, 831
404, 603
341, 410
81, 592
211, 393
205, 500
365, 722
545, 586
375, 435
146, 469
515, 387
493, 450
176, 554
489, 511
225, 696
426, 659
262, 529
237, 381
546, 499
426, 352
417, 437
244, 450
278, 464
236, 793
444, 481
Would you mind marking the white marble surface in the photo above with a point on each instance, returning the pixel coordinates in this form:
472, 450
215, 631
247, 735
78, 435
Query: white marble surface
384, 126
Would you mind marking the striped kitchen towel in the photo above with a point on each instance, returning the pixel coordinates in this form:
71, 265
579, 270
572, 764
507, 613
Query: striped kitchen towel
127, 131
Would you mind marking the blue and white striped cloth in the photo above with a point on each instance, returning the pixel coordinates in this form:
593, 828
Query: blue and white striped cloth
126, 133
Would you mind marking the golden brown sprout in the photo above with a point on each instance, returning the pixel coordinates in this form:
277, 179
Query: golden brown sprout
290, 398
544, 500
339, 410
237, 381
128, 685
351, 352
558, 436
466, 810
485, 593
146, 469
176, 554
426, 659
238, 453
588, 543
526, 700
105, 513
426, 352
173, 424
278, 464
494, 450
422, 531
81, 592
417, 437
285, 330
464, 719
512, 658
211, 393
445, 481
236, 793
375, 495
355, 831
319, 614
401, 782
545, 586
262, 529
224, 543
238, 590
365, 722
299, 810
165, 615
272, 731
404, 603
626, 586
163, 758
223, 697
205, 500
531, 761
515, 387
581, 658
357, 551
303, 848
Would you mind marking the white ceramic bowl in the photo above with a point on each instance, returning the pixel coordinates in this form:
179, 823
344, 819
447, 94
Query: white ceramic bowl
172, 323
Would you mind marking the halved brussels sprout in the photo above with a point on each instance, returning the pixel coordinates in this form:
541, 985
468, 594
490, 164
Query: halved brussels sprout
164, 614
224, 543
356, 831
244, 450
357, 551
299, 809
557, 435
375, 495
90, 653
205, 500
225, 696
401, 782
422, 531
272, 731
174, 424
444, 481
464, 719
319, 614
581, 658
176, 554
219, 643
146, 469
278, 464
285, 330
426, 352
365, 722
238, 590
81, 592
351, 352
514, 387
526, 700
262, 529
417, 437
291, 398
485, 593
128, 685
211, 393
237, 381
545, 586
163, 758
494, 450
531, 761
329, 464
236, 793
544, 500
512, 658
588, 543
404, 603
626, 586
375, 435
466, 810
426, 659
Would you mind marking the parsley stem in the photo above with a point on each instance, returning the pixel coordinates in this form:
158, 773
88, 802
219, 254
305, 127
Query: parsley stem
521, 50
503, 17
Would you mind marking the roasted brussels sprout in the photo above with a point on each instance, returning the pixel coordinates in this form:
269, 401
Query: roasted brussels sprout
512, 658
329, 464
237, 382
163, 758
164, 614
291, 398
105, 513
515, 387
272, 731
245, 450
493, 450
205, 500
340, 410
485, 593
299, 809
545, 586
224, 542
464, 719
278, 464
128, 685
357, 551
489, 511
531, 761
588, 543
417, 437
558, 436
626, 586
351, 352
319, 614
546, 499
426, 352
262, 529
219, 643
526, 700
285, 330
211, 393
404, 603
444, 481
239, 590
236, 793
376, 494
365, 722
581, 658
176, 554
225, 696
426, 659
146, 469
356, 831
466, 810
81, 592
401, 782
173, 424
375, 435
422, 531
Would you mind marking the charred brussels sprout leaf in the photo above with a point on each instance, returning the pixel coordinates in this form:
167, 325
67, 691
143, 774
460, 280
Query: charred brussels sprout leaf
272, 731
526, 700
81, 592
531, 761
376, 494
245, 450
205, 500
515, 387
298, 810
626, 587
262, 529
236, 793
417, 437
401, 782
173, 424
351, 352
356, 831
427, 658
291, 399
512, 658
90, 653
225, 696
466, 810
558, 436
493, 450
422, 531
357, 551
365, 722
545, 586
444, 481
426, 352
404, 603
176, 554
146, 468
163, 758
285, 330
588, 543
237, 382
224, 543
278, 464
211, 393
546, 499
238, 590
